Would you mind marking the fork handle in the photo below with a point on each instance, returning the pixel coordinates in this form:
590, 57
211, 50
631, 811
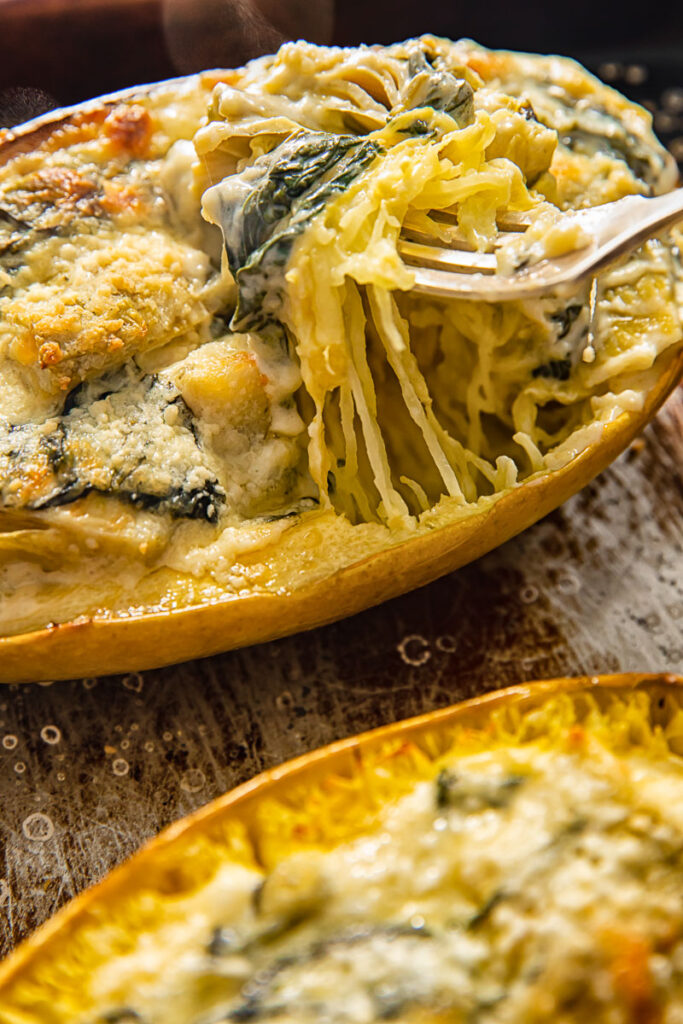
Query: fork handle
654, 215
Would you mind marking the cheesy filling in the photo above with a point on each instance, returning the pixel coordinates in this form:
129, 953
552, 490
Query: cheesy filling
534, 879
206, 328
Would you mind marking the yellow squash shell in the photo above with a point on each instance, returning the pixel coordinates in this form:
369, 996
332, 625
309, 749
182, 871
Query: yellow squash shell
330, 796
321, 567
102, 645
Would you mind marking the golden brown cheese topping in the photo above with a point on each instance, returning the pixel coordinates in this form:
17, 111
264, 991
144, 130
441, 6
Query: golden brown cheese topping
207, 332
118, 294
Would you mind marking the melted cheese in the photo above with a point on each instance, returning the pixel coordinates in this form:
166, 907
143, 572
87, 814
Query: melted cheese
284, 371
417, 399
533, 876
107, 298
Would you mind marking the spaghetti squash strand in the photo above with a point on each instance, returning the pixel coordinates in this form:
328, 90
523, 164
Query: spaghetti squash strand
403, 363
428, 144
363, 388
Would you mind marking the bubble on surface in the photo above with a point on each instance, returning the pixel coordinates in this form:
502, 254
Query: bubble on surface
46, 682
125, 744
167, 737
192, 780
50, 734
20, 767
284, 700
120, 766
529, 594
447, 644
9, 741
149, 747
60, 776
89, 684
414, 649
38, 827
133, 681
569, 583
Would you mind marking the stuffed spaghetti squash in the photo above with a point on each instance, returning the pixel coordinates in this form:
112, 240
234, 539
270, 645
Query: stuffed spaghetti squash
517, 858
217, 390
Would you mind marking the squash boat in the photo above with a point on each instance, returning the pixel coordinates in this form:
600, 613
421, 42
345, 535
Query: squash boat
513, 858
225, 416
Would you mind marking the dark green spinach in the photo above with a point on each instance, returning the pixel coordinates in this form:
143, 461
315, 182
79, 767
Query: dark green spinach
263, 210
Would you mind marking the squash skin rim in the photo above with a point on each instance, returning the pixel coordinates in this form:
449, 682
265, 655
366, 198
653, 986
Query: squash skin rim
308, 768
14, 140
156, 639
105, 646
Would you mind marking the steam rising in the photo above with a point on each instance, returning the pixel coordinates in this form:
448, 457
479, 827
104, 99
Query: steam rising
20, 103
227, 33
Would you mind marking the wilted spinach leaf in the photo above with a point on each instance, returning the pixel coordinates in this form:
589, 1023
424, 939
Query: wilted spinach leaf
264, 209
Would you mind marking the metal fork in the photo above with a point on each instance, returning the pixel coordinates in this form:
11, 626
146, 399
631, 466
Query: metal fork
614, 229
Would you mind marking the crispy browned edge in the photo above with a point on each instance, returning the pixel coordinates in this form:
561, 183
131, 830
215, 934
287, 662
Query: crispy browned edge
340, 758
104, 645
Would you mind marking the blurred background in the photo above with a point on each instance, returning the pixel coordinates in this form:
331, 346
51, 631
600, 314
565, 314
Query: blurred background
54, 52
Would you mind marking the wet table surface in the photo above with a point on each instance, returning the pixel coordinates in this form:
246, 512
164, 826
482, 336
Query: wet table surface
92, 768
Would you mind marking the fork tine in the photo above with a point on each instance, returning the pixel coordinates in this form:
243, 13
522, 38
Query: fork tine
613, 230
452, 260
446, 284
507, 220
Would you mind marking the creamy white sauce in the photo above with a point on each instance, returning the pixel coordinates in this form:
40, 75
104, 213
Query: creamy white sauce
266, 466
504, 889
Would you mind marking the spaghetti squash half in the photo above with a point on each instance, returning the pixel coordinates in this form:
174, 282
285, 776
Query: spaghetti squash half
516, 858
217, 388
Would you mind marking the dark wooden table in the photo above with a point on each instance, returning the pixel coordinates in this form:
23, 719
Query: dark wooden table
93, 767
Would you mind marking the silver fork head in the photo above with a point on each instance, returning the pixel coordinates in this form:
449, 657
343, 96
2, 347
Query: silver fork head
614, 229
